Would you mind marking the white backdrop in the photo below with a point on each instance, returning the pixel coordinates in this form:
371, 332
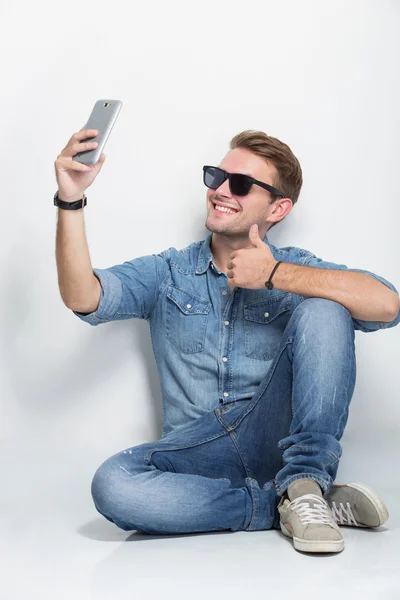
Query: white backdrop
321, 76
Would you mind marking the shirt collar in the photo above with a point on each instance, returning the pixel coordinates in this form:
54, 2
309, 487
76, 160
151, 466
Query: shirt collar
206, 258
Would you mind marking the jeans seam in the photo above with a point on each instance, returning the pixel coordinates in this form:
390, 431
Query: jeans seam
292, 395
292, 478
235, 442
253, 516
147, 456
329, 452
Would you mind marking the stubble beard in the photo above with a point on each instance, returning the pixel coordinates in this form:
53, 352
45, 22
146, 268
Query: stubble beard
229, 230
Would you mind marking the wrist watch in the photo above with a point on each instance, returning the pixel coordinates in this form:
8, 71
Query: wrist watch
70, 205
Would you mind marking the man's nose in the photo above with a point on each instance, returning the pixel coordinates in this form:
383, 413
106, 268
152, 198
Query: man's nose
224, 189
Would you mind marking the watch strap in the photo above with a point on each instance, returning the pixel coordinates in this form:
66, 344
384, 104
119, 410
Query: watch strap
269, 284
70, 205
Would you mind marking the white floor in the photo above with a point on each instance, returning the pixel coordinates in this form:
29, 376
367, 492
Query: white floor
53, 544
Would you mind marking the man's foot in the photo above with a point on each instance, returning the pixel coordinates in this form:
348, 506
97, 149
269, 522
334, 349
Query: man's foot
356, 505
309, 521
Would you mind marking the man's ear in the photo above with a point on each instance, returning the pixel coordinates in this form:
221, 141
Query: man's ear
281, 208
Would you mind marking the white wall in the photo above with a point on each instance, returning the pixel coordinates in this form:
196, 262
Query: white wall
321, 76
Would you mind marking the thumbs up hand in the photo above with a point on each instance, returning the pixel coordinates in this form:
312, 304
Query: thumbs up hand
251, 267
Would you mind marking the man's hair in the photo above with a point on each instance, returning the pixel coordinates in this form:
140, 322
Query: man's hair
289, 178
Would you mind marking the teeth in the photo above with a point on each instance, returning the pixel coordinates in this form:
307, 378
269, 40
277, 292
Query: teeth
223, 209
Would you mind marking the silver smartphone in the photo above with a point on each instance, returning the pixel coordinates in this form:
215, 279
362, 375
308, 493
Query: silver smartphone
102, 118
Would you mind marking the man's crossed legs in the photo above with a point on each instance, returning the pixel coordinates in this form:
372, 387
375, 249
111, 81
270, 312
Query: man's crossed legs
261, 463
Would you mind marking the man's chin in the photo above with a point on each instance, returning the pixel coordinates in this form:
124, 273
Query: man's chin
217, 228
225, 231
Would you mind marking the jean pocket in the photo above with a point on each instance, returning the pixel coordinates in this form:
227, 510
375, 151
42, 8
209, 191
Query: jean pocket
264, 324
186, 320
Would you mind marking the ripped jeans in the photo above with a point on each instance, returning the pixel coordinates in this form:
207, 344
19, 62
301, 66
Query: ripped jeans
227, 469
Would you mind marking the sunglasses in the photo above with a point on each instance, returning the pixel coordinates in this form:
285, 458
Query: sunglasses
239, 184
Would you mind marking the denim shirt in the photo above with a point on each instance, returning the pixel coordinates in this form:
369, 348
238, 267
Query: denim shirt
211, 346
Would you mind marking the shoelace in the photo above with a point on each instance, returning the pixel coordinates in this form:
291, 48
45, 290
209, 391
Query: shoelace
319, 513
343, 515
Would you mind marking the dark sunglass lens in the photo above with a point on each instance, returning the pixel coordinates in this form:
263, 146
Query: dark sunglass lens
240, 184
213, 178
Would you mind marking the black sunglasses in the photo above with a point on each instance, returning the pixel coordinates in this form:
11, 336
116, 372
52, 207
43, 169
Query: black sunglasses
239, 184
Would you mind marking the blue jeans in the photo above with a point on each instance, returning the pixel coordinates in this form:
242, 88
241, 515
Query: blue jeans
228, 469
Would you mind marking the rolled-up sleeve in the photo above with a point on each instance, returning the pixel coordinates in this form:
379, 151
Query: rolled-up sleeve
129, 290
365, 326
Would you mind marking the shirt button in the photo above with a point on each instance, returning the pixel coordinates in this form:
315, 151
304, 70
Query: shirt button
266, 314
226, 394
226, 322
188, 306
224, 359
224, 292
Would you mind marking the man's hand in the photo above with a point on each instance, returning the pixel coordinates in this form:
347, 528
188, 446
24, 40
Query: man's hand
251, 267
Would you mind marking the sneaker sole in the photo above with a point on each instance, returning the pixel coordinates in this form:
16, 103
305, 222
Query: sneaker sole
314, 545
377, 503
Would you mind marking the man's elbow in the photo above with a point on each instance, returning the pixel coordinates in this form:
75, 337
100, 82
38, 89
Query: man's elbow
394, 309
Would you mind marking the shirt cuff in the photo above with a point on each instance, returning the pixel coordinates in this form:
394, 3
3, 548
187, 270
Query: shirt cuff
110, 299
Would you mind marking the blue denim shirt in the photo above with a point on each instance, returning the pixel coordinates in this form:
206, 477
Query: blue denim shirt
210, 345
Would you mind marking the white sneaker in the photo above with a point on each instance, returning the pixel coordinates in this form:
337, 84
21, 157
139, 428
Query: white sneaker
309, 521
357, 505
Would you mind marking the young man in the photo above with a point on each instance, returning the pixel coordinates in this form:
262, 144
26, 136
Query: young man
255, 350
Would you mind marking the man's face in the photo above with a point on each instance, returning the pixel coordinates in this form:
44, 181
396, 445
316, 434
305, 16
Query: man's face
250, 209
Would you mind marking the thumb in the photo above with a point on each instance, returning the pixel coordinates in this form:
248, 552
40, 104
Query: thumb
254, 236
101, 160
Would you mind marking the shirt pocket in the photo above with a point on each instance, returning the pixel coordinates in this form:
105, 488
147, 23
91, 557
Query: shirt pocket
264, 324
186, 320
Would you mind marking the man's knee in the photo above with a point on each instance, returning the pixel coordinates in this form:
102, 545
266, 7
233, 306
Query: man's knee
325, 328
325, 317
321, 307
114, 492
122, 490
106, 487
